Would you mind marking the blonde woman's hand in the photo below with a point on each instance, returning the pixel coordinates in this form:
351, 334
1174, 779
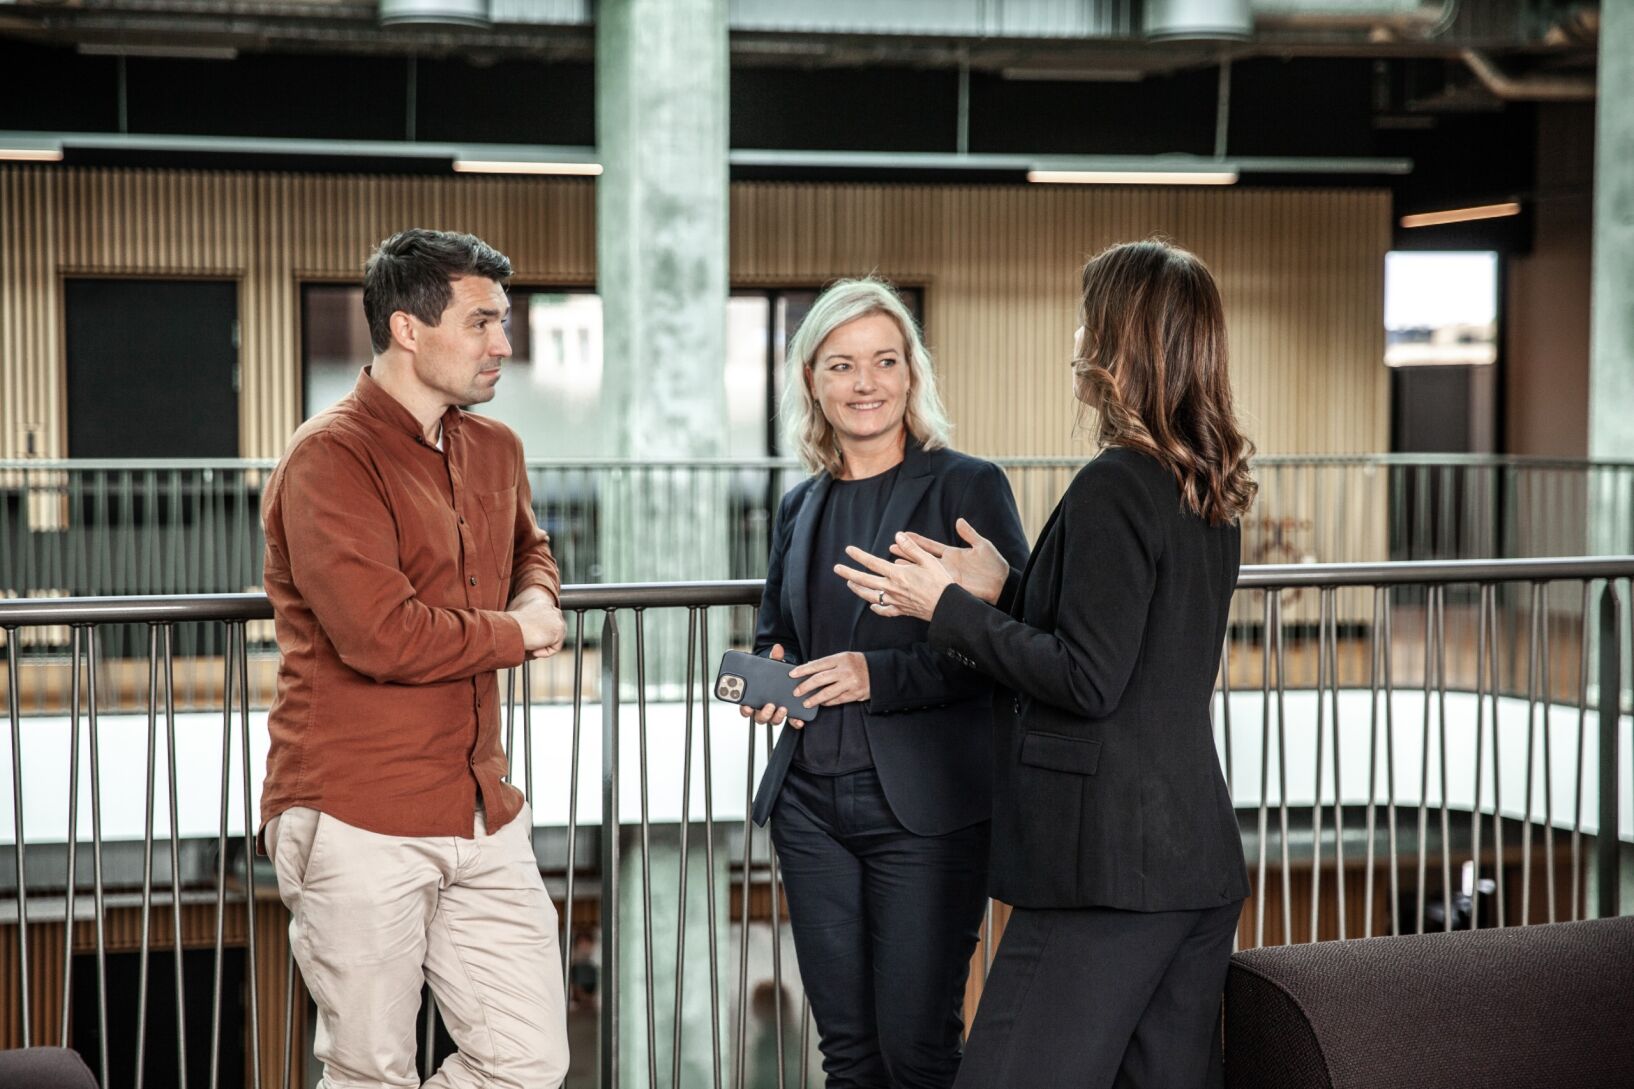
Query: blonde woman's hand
909, 587
771, 712
838, 678
979, 567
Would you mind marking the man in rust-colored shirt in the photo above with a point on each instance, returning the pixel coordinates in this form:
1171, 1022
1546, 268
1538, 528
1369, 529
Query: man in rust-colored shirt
404, 567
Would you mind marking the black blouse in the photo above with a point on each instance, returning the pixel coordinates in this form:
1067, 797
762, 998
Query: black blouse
835, 741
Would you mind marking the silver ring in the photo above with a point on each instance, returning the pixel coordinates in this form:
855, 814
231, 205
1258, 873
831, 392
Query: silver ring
882, 597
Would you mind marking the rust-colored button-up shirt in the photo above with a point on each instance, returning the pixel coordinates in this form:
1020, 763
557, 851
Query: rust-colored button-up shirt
389, 565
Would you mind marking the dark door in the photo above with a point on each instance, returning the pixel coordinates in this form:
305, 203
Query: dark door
152, 368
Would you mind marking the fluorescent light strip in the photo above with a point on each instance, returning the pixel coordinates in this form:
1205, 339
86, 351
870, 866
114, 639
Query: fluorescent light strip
1461, 215
501, 166
31, 154
1132, 177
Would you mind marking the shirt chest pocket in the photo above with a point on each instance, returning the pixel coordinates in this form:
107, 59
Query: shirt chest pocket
499, 520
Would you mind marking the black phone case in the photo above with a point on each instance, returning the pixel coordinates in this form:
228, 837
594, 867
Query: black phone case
754, 681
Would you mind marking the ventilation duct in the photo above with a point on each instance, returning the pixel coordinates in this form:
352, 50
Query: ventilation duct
473, 13
1208, 20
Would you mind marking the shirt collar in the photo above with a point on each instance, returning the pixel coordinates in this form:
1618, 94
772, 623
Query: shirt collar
388, 410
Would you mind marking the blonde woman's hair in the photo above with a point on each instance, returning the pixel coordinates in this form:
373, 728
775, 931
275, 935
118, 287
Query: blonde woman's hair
808, 430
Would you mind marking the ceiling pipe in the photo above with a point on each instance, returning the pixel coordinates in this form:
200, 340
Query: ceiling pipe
1529, 88
1406, 16
472, 13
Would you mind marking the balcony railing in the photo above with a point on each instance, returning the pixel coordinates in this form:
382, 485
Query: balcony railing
79, 527
1454, 754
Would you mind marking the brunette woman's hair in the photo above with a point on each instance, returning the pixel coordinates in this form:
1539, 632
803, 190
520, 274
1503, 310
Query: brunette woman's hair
1152, 362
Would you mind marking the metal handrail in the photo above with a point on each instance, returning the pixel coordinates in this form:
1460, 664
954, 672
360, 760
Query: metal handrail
165, 609
1534, 461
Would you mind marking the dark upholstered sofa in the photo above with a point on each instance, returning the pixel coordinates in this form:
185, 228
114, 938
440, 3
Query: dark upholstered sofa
44, 1068
1528, 1007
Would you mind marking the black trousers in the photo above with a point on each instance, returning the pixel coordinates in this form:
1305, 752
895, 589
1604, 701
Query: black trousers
884, 925
1093, 998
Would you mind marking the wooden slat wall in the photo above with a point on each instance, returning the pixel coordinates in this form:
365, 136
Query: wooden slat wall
1301, 271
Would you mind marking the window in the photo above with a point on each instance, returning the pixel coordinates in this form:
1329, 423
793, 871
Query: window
552, 390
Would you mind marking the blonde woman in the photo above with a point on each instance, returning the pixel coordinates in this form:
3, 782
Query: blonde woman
879, 791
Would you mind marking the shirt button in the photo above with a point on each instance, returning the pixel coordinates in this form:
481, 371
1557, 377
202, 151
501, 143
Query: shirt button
473, 580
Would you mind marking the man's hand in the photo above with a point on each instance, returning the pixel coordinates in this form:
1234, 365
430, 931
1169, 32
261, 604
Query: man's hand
543, 628
839, 678
771, 712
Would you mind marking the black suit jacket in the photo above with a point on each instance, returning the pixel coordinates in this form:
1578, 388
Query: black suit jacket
1107, 787
929, 718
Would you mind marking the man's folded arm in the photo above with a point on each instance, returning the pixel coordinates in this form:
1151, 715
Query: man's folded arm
342, 549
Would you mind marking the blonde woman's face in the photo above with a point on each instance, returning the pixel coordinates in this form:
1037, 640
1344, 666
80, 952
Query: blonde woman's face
860, 378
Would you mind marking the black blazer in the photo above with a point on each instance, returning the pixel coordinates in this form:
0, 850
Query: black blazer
929, 719
1107, 788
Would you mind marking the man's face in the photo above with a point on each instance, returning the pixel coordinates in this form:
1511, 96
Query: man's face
459, 358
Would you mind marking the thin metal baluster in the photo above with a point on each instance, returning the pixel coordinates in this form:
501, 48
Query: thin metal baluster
1379, 593
1225, 708
428, 1038
221, 860
175, 855
14, 713
611, 1021
805, 1026
1500, 894
709, 854
289, 1018
73, 834
1487, 602
527, 734
1531, 751
1323, 604
742, 1043
573, 799
1424, 759
1390, 765
1544, 680
1338, 779
249, 853
686, 818
1282, 772
777, 942
646, 845
1585, 633
987, 944
1265, 770
151, 786
510, 719
1446, 814
96, 857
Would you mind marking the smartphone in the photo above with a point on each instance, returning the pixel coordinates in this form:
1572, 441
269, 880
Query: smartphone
753, 681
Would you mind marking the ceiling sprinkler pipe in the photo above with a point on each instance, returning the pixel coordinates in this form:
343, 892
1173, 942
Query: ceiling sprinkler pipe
1413, 16
471, 13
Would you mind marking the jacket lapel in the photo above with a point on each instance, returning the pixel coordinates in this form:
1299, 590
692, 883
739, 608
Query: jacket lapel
803, 536
912, 481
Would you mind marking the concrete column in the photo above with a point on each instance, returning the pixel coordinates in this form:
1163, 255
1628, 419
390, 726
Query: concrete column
661, 248
1611, 366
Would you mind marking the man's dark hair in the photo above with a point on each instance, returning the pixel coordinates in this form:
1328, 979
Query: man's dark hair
412, 271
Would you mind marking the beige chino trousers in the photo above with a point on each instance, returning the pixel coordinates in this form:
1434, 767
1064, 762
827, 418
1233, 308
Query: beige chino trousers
373, 917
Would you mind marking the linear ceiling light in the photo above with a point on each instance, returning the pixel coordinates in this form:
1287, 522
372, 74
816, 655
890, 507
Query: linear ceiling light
1462, 215
31, 154
503, 166
1133, 177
